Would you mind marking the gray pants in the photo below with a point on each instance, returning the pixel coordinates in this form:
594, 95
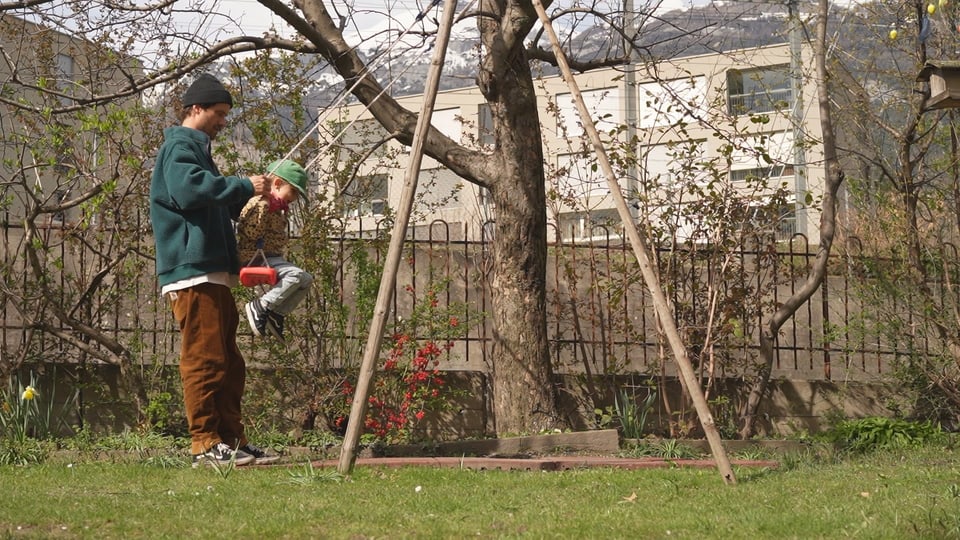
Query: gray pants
291, 288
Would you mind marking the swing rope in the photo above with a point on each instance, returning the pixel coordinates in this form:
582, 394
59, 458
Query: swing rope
356, 118
344, 94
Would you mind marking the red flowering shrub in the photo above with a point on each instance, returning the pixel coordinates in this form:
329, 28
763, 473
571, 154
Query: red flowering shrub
409, 383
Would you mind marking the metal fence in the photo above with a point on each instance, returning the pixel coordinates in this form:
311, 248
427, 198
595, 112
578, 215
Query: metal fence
600, 319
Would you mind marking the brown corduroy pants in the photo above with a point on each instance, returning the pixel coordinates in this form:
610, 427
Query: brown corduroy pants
212, 369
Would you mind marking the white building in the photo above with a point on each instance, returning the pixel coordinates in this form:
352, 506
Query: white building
727, 123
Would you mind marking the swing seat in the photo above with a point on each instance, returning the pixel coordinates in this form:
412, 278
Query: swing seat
251, 276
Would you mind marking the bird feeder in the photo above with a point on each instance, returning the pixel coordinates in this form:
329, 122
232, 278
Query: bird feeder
943, 78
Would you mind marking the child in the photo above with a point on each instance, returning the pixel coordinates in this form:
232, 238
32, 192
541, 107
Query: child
263, 224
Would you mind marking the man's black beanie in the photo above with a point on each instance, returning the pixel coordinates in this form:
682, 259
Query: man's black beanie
206, 90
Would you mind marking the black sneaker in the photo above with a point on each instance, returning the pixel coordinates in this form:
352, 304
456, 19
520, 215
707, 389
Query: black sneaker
275, 324
260, 455
222, 455
257, 317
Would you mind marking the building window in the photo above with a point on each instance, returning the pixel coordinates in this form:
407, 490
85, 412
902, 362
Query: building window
778, 218
603, 105
450, 123
59, 217
787, 223
752, 176
438, 189
484, 197
64, 76
366, 196
580, 177
361, 135
665, 103
596, 225
485, 124
759, 90
763, 155
669, 167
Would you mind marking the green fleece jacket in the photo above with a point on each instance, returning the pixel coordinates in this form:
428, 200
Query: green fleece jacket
192, 207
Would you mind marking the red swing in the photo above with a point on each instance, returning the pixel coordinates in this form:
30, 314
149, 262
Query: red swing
251, 276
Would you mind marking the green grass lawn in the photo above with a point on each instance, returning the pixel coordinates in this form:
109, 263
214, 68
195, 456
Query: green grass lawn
907, 494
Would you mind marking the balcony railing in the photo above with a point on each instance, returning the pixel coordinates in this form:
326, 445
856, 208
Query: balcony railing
759, 102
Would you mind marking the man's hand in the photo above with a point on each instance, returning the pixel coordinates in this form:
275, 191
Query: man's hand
261, 185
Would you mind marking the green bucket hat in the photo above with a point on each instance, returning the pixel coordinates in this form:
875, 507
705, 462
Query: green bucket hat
292, 172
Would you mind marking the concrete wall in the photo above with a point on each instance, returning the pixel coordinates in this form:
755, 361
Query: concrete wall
794, 407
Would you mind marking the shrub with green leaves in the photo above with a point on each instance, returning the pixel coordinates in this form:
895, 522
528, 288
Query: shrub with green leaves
633, 414
878, 433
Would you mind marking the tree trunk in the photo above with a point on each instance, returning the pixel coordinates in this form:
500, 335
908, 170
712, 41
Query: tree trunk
525, 399
828, 225
524, 396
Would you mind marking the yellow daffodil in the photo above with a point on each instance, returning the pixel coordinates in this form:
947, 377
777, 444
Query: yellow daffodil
29, 393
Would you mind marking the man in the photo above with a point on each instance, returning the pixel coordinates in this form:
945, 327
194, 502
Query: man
192, 207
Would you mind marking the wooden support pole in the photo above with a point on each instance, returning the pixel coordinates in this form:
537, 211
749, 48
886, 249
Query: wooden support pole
358, 410
640, 249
